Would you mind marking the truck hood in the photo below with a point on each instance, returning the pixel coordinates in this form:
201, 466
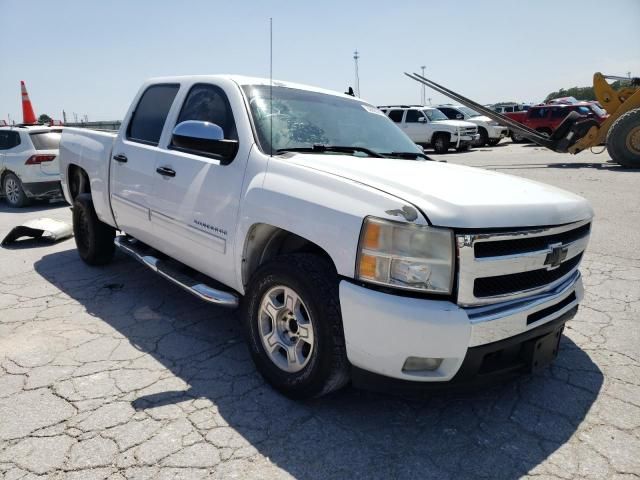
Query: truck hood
457, 196
455, 123
479, 119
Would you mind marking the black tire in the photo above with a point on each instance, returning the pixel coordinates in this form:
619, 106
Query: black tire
440, 143
94, 239
13, 192
463, 148
484, 137
316, 282
517, 138
493, 141
623, 140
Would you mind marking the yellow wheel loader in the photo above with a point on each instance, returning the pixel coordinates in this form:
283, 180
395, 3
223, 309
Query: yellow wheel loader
620, 132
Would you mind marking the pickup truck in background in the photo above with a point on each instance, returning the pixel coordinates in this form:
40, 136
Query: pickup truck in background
429, 127
351, 255
546, 118
490, 131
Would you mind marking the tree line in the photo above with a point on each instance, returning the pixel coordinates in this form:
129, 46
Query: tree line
581, 93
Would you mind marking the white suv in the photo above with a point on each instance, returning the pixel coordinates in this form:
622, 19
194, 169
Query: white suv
29, 166
491, 132
429, 127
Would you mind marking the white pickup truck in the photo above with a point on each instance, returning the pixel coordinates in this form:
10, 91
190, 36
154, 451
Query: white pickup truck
429, 127
351, 254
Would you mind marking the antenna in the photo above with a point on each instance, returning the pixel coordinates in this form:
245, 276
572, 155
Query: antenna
423, 97
271, 83
356, 56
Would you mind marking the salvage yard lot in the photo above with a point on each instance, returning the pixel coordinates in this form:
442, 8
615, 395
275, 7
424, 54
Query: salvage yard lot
115, 373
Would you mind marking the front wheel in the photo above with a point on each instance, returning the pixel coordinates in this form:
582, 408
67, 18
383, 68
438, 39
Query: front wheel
94, 239
463, 148
494, 141
441, 143
293, 326
623, 139
484, 137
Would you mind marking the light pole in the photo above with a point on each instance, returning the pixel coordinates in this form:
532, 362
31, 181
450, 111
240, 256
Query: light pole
423, 98
356, 56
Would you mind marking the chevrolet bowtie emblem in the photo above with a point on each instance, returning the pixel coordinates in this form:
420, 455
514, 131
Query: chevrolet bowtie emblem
556, 255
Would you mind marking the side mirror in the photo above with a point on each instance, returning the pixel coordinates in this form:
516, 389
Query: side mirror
459, 116
203, 138
422, 120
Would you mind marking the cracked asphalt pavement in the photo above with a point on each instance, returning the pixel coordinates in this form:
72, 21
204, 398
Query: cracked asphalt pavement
113, 373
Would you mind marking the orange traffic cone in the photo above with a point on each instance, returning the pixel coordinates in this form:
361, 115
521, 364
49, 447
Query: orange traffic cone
28, 115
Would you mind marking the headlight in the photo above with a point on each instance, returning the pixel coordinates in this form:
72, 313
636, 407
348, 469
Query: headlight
404, 255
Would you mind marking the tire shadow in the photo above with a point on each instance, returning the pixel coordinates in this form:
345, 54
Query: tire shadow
501, 432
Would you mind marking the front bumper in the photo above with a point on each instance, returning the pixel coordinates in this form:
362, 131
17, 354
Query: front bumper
464, 139
382, 330
497, 131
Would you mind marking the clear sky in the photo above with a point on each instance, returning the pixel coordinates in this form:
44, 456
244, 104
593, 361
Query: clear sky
90, 57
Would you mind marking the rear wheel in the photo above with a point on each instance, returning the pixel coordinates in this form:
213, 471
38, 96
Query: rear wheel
293, 326
94, 239
13, 191
441, 143
623, 140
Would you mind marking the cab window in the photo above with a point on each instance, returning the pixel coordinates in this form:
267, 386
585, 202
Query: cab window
209, 103
396, 115
148, 119
413, 116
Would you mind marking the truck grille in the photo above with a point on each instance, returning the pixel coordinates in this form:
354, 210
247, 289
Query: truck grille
500, 266
469, 130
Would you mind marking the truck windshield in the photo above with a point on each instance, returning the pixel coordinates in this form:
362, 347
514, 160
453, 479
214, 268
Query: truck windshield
433, 114
302, 119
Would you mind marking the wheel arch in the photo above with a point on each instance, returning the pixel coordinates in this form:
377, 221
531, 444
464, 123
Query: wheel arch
78, 181
265, 242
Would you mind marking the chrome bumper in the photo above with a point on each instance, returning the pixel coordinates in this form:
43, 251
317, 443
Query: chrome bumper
499, 321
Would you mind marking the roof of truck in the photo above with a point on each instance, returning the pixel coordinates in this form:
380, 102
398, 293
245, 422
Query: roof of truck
244, 80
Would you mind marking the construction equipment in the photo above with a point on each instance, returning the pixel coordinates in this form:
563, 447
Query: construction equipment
620, 131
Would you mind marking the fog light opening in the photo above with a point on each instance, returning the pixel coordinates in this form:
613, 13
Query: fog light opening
421, 364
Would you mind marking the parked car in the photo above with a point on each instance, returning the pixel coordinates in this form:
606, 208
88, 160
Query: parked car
546, 118
510, 107
29, 167
351, 254
429, 127
490, 131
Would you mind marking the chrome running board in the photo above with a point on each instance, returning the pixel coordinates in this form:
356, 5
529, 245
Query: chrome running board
144, 254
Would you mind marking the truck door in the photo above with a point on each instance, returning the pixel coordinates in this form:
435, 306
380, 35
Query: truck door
196, 196
133, 161
416, 126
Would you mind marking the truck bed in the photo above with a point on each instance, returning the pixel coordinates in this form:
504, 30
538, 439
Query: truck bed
91, 150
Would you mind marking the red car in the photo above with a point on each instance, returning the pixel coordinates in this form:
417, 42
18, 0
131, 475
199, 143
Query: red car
546, 118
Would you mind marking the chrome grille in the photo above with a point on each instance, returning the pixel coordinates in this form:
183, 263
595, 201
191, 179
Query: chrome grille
500, 266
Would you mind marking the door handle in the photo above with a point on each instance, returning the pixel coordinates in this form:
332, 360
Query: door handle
120, 158
166, 172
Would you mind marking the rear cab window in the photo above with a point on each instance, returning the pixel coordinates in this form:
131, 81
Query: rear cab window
148, 118
46, 140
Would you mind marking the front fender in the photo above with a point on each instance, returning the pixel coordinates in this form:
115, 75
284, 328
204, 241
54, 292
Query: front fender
323, 208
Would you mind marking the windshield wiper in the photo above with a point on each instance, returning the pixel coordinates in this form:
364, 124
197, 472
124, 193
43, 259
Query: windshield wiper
406, 155
320, 148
